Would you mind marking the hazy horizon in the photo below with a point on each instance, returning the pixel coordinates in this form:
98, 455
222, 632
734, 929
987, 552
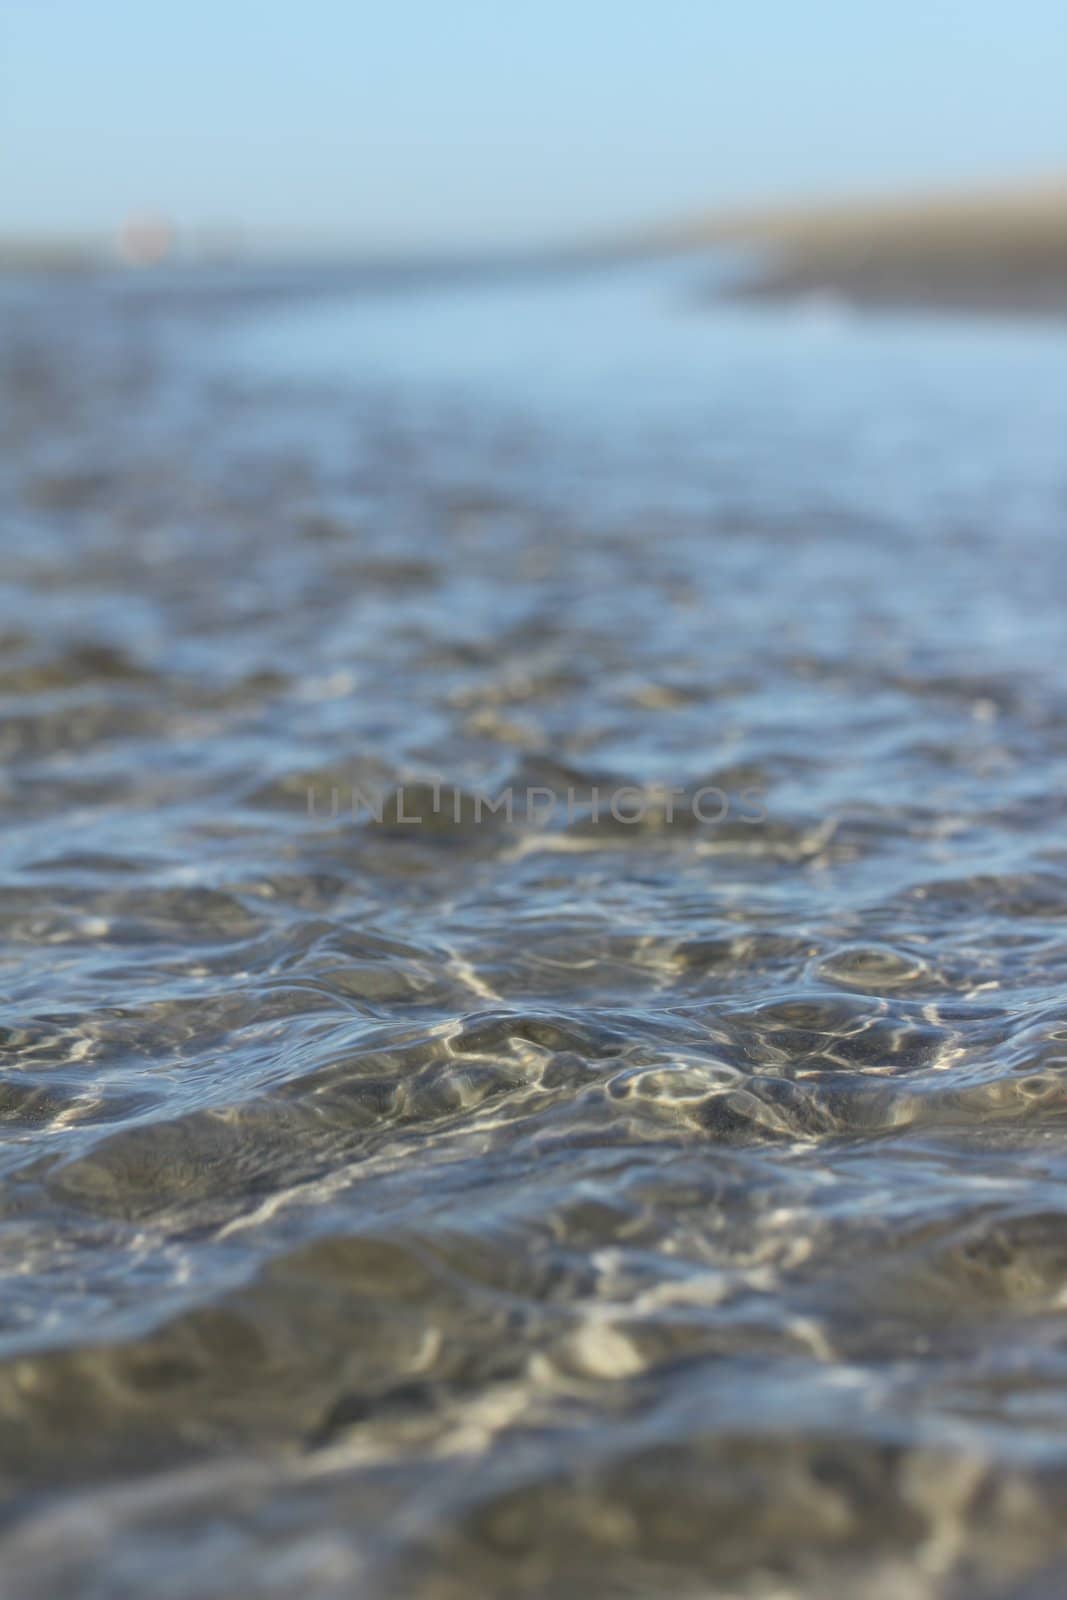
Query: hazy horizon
437, 130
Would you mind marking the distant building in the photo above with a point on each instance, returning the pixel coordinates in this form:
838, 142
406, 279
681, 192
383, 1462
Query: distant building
144, 240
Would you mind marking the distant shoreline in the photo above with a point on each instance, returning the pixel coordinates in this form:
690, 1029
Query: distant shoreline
1000, 252
1004, 252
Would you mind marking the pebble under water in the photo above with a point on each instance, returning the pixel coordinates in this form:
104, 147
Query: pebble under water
556, 1205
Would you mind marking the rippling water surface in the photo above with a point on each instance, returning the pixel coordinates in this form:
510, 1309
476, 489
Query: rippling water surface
550, 1205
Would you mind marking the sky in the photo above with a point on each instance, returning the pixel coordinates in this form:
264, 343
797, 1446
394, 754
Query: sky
426, 123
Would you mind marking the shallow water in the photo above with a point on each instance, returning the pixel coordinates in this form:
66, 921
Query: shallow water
555, 1205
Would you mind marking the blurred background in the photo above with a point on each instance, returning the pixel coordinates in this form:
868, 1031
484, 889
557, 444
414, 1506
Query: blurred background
356, 130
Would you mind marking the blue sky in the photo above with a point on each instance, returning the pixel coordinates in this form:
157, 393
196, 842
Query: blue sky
422, 122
